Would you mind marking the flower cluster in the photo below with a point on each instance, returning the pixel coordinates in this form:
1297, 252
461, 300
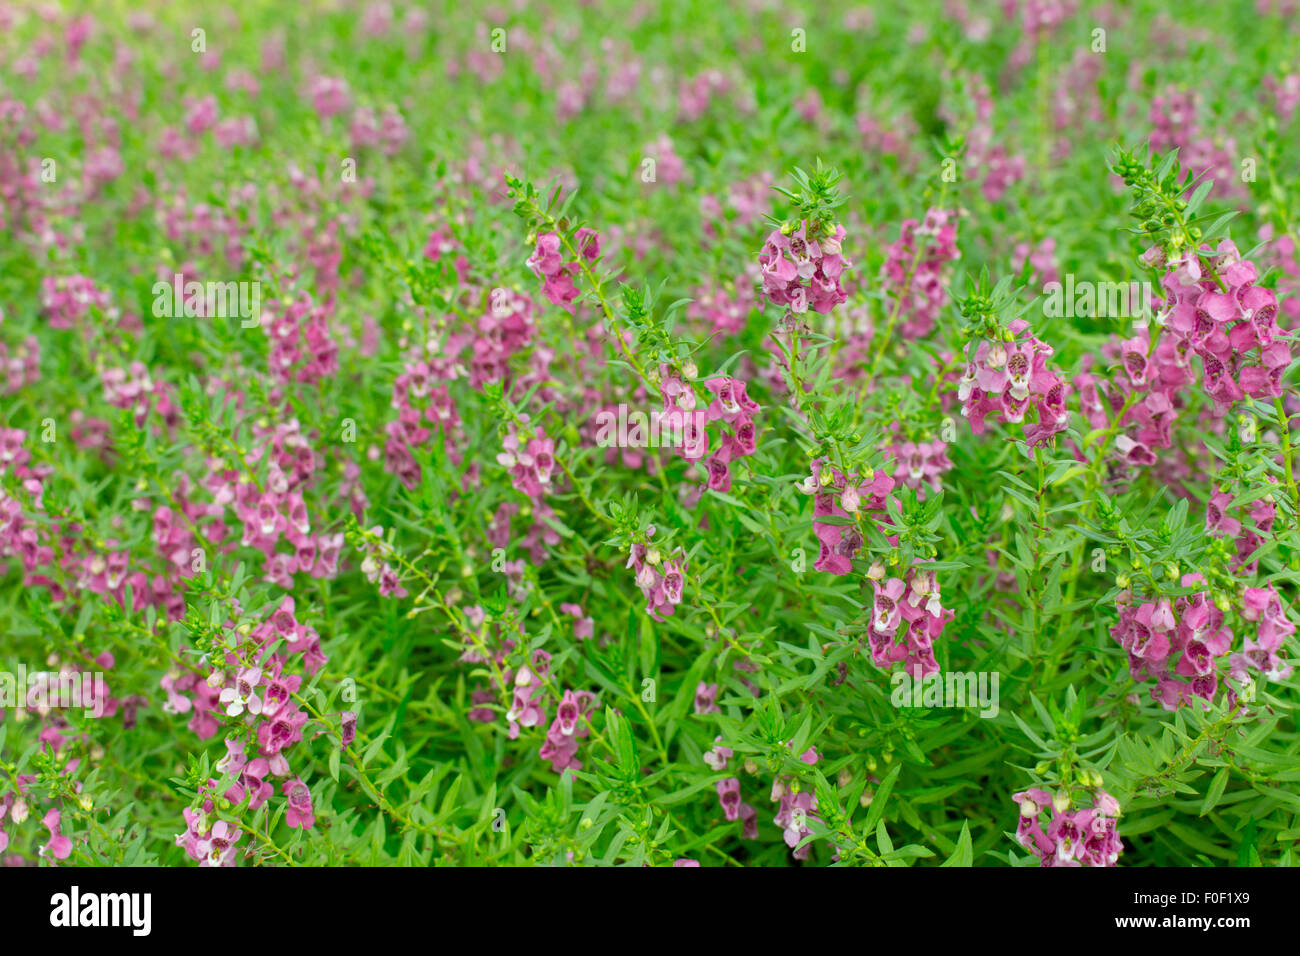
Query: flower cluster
1004, 377
920, 465
913, 274
996, 167
302, 349
421, 394
20, 366
1231, 322
132, 388
1074, 837
1147, 392
1041, 259
524, 687
680, 416
208, 842
736, 410
376, 566
571, 724
250, 685
906, 617
660, 579
20, 533
257, 686
1263, 607
529, 695
1175, 124
17, 806
1221, 522
330, 95
528, 705
505, 329
68, 300
1176, 644
803, 271
795, 808
547, 263
277, 511
388, 131
529, 457
557, 275
840, 496
726, 309
669, 168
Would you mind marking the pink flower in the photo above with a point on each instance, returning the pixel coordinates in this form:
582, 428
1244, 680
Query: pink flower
729, 797
706, 699
569, 727
298, 808
548, 264
59, 846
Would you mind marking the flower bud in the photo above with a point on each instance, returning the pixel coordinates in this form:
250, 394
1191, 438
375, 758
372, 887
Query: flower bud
1106, 804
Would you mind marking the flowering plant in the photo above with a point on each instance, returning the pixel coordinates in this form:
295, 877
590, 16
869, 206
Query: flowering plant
949, 514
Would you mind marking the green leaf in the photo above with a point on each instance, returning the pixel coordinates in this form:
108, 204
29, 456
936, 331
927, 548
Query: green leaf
963, 855
1215, 792
878, 799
